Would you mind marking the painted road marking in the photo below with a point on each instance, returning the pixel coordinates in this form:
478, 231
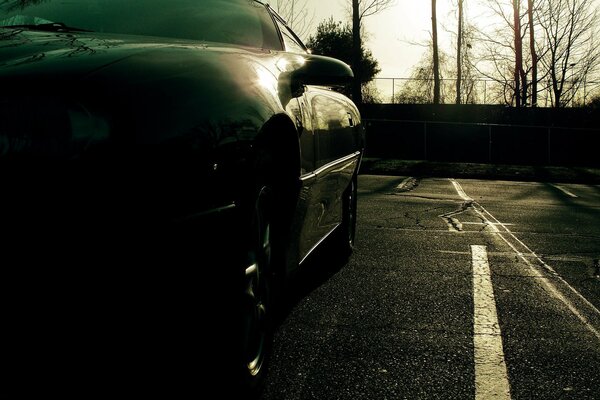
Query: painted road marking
565, 191
460, 191
547, 283
493, 223
483, 223
491, 377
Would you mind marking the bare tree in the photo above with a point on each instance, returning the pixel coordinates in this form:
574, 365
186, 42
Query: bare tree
563, 51
571, 33
503, 58
356, 46
533, 52
297, 14
420, 87
465, 86
519, 72
360, 10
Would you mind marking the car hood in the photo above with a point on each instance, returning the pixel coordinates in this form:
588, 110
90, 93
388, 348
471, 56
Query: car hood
72, 56
162, 87
163, 108
25, 52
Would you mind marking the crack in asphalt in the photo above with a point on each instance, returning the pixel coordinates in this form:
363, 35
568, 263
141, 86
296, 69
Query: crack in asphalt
416, 219
423, 197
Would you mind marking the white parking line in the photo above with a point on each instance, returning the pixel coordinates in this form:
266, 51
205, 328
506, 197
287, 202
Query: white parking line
550, 287
484, 223
460, 191
565, 191
545, 281
491, 377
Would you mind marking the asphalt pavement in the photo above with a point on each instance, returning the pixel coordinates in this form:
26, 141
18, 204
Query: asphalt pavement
530, 173
457, 289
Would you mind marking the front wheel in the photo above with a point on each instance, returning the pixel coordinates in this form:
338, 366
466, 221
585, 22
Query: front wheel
257, 318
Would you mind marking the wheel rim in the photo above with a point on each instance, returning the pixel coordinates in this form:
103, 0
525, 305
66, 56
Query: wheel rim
257, 288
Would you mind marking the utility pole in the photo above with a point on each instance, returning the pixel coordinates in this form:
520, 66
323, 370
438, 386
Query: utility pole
436, 59
459, 42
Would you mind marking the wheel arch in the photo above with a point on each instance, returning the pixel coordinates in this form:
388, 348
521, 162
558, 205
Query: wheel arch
279, 137
279, 141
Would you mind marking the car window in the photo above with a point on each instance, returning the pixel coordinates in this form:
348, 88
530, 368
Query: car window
291, 41
239, 22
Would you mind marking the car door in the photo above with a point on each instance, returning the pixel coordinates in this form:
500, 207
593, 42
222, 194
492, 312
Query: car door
309, 209
334, 123
326, 122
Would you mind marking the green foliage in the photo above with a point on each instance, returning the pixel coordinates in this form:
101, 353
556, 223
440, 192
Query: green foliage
594, 103
334, 39
370, 94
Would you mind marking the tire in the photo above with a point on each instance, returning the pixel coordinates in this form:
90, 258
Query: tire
257, 296
346, 235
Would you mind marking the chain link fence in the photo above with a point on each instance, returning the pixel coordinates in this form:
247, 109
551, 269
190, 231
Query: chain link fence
477, 91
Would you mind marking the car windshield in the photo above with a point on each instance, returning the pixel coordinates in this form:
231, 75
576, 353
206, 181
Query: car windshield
239, 22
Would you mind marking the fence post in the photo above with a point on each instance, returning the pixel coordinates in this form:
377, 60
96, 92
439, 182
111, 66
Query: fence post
549, 146
489, 144
484, 92
425, 139
393, 90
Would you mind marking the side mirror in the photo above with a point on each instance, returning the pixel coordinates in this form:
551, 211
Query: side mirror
298, 70
321, 70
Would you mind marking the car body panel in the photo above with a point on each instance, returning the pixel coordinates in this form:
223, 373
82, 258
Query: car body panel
131, 160
247, 81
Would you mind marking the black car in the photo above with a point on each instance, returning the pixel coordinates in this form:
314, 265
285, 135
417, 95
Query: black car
167, 167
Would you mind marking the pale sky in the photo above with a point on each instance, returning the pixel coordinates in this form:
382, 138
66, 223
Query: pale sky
393, 33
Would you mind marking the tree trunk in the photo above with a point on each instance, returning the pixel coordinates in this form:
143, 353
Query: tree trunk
523, 88
534, 58
356, 50
436, 60
518, 51
459, 42
557, 97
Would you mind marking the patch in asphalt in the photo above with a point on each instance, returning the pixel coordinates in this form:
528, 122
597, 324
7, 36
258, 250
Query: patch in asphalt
407, 185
